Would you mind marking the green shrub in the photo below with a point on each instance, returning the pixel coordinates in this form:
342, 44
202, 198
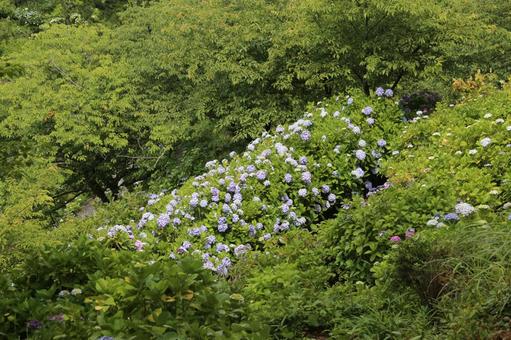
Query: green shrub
87, 290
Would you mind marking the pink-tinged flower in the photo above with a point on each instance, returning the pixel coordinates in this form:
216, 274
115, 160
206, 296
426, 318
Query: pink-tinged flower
395, 239
410, 233
139, 245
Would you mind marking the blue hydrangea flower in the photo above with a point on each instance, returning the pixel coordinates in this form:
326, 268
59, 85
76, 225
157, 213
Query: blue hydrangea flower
389, 93
451, 217
350, 101
325, 188
381, 143
303, 160
288, 178
331, 198
379, 91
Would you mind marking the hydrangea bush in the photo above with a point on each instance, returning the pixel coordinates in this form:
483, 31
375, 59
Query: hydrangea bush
292, 177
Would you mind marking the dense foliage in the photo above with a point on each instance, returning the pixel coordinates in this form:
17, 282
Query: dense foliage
380, 212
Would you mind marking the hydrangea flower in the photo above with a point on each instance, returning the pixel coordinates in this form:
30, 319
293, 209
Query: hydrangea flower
325, 188
307, 177
302, 192
76, 291
350, 101
367, 110
381, 143
464, 209
241, 249
360, 154
261, 175
288, 178
358, 173
139, 245
389, 93
303, 160
223, 268
395, 239
331, 198
379, 91
485, 142
451, 217
305, 135
370, 121
220, 247
410, 233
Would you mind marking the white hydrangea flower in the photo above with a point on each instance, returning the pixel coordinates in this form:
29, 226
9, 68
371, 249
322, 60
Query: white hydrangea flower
485, 142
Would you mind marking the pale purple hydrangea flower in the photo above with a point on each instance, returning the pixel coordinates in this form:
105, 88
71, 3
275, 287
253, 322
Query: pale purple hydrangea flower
325, 188
464, 209
194, 202
360, 154
331, 198
223, 268
367, 110
163, 220
288, 178
220, 247
350, 101
203, 203
358, 173
139, 245
303, 160
389, 93
261, 175
305, 135
307, 177
266, 183
176, 221
241, 249
302, 192
381, 143
370, 121
315, 191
